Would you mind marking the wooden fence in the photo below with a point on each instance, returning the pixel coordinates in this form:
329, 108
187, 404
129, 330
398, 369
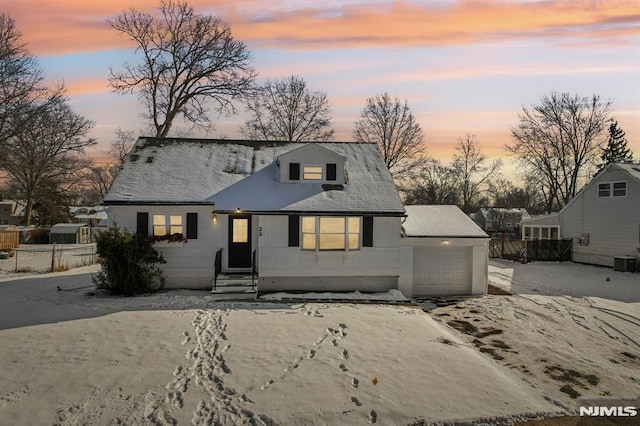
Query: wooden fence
9, 240
526, 251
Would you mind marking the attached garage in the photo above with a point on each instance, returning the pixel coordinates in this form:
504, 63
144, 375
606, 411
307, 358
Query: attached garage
443, 252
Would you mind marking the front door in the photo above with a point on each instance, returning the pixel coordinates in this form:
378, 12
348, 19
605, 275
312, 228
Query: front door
240, 241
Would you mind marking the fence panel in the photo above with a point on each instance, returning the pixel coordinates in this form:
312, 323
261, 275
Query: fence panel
525, 251
50, 257
9, 240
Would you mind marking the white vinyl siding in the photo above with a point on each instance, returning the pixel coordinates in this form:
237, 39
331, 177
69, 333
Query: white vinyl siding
276, 259
612, 223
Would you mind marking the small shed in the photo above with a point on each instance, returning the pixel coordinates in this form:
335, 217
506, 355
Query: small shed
70, 233
443, 252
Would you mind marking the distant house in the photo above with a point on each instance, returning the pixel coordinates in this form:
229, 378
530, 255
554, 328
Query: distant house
92, 216
604, 218
493, 219
305, 216
11, 212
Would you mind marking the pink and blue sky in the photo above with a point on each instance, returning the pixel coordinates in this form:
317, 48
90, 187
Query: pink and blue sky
464, 66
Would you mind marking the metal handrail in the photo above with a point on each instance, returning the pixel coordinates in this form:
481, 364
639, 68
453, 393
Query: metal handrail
217, 265
254, 270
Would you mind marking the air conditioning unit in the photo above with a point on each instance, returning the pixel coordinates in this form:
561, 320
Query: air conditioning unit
624, 264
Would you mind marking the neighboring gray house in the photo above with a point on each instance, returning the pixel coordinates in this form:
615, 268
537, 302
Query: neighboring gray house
604, 218
494, 219
307, 216
11, 212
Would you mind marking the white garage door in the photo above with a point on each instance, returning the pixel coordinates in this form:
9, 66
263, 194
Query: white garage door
441, 271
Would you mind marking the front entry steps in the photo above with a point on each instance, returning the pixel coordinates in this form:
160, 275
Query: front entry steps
234, 284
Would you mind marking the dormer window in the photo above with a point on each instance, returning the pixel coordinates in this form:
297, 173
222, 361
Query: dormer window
312, 172
312, 163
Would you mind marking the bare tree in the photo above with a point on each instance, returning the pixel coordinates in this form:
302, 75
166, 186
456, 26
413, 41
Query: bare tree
471, 171
47, 138
433, 183
20, 74
288, 110
101, 176
121, 145
188, 62
391, 124
507, 195
557, 143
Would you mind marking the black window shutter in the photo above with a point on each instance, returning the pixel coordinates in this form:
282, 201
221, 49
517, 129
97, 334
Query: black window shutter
294, 171
192, 226
367, 231
294, 231
142, 223
331, 171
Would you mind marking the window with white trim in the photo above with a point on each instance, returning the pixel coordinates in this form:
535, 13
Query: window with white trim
167, 224
612, 189
331, 233
312, 172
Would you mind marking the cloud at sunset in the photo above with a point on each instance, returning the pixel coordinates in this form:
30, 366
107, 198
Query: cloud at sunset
78, 25
463, 66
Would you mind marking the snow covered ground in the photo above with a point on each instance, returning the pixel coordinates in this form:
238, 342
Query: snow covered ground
67, 357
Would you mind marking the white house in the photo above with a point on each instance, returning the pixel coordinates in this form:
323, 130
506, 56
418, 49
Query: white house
443, 252
305, 216
604, 218
316, 216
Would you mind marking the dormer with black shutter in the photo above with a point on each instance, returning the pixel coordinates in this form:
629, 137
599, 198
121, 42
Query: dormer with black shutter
312, 163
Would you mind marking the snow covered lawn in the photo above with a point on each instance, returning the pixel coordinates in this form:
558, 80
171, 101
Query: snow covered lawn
182, 357
555, 334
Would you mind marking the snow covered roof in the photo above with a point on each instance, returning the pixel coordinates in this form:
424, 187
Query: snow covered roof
66, 228
440, 221
632, 169
242, 174
545, 219
491, 212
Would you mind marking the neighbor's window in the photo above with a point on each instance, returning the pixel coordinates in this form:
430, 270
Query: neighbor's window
167, 224
612, 189
330, 233
619, 189
312, 172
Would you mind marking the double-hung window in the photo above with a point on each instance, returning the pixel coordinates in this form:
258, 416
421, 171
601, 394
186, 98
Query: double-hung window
612, 189
167, 224
331, 233
312, 172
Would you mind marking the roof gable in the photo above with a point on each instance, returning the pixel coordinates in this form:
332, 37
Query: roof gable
309, 152
632, 170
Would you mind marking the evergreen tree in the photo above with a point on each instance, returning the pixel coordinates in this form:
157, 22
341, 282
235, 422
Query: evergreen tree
616, 150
